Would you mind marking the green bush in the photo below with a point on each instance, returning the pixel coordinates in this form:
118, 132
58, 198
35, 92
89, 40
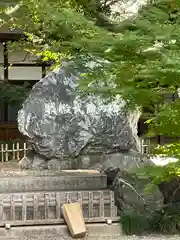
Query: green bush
166, 221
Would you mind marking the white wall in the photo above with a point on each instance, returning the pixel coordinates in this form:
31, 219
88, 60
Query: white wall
25, 73
20, 73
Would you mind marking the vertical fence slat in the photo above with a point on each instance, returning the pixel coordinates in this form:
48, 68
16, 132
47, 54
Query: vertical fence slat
17, 149
13, 151
145, 146
2, 152
6, 153
25, 149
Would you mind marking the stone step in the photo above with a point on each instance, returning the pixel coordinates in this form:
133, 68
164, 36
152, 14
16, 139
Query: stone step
43, 208
31, 181
94, 232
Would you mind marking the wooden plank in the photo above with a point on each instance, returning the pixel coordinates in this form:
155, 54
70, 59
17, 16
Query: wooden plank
73, 216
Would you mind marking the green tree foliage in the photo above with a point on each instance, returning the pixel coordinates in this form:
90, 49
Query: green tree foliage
140, 54
142, 51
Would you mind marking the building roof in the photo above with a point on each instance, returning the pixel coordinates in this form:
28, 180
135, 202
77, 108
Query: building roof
9, 35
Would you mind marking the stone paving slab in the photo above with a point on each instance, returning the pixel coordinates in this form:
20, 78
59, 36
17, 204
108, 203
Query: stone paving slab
10, 165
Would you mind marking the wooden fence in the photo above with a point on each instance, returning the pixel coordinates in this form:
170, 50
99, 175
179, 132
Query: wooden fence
145, 146
15, 151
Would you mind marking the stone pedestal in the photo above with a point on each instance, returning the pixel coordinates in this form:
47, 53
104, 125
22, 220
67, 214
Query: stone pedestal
31, 202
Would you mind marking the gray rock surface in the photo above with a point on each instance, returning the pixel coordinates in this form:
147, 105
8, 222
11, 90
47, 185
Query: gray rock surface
62, 124
129, 190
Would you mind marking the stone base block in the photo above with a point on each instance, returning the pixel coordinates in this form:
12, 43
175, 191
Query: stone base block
32, 181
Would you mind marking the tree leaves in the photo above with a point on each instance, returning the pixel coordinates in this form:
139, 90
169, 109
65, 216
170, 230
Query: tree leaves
143, 52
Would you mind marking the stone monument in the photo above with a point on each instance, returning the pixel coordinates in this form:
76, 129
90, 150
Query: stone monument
61, 125
66, 130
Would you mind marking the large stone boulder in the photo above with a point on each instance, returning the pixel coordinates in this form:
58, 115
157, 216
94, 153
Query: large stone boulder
130, 194
62, 124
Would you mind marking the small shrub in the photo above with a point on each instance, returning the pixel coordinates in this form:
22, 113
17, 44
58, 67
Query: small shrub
134, 224
166, 221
